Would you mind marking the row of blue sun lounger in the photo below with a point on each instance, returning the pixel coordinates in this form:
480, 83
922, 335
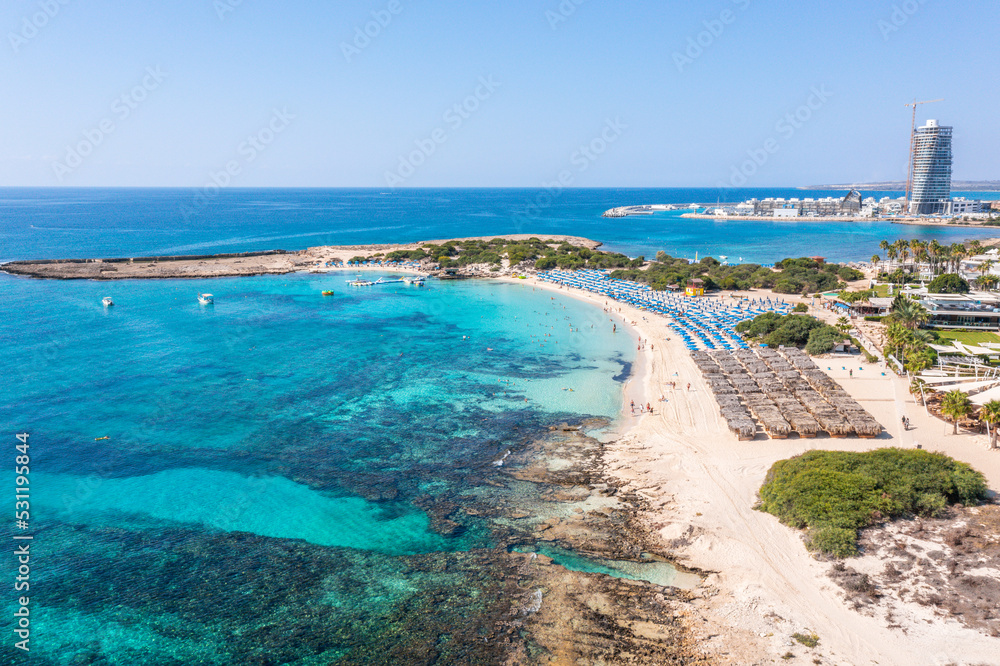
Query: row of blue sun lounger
701, 323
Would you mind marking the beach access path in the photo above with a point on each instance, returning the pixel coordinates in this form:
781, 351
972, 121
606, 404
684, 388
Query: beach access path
701, 484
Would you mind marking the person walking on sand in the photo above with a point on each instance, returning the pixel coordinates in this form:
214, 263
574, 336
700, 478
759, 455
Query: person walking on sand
649, 408
689, 386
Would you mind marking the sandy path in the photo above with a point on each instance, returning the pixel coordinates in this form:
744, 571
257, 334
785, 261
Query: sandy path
702, 484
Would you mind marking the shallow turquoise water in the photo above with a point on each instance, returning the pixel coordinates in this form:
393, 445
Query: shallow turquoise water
652, 571
272, 418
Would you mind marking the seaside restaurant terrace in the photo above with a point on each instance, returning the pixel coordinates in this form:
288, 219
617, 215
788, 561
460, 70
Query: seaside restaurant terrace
975, 310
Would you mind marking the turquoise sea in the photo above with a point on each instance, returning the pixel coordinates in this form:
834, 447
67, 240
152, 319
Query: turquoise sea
283, 477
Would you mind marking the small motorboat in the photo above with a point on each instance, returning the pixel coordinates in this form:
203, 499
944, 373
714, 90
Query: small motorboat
206, 299
107, 301
360, 282
416, 279
328, 293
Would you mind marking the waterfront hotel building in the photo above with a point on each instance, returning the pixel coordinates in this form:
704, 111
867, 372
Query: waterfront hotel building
931, 170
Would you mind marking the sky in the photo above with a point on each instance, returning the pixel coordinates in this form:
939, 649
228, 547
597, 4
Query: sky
422, 93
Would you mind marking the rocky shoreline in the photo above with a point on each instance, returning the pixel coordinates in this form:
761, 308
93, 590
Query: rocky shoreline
575, 616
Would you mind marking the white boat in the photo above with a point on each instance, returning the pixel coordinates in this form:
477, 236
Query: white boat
414, 279
360, 282
107, 301
205, 299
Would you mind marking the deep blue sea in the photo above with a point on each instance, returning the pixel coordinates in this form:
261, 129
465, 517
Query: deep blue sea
67, 223
283, 477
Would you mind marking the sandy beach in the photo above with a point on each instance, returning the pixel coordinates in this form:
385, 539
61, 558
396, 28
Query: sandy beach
762, 585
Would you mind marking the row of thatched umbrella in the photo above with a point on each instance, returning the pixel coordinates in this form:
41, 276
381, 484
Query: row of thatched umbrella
825, 416
784, 390
770, 372
863, 423
735, 412
762, 393
738, 365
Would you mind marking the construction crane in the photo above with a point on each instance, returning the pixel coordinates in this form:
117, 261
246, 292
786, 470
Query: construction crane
913, 128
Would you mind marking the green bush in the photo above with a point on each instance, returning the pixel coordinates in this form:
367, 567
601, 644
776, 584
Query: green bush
775, 330
796, 275
801, 307
835, 493
406, 255
836, 541
823, 339
873, 318
948, 283
855, 296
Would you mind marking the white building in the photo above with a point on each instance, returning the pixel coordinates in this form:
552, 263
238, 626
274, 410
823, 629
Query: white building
931, 170
963, 206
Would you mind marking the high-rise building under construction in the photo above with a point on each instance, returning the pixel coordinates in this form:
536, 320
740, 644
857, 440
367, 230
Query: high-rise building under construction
931, 170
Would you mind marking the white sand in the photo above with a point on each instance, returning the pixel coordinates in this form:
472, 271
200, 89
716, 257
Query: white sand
702, 484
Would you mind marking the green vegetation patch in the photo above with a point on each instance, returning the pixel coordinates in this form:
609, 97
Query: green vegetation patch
794, 330
833, 494
948, 283
791, 276
545, 254
946, 336
809, 640
856, 296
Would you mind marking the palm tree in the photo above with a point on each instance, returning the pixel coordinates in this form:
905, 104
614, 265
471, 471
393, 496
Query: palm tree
917, 387
908, 312
956, 405
903, 248
987, 282
958, 252
875, 260
944, 259
933, 249
990, 413
891, 252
